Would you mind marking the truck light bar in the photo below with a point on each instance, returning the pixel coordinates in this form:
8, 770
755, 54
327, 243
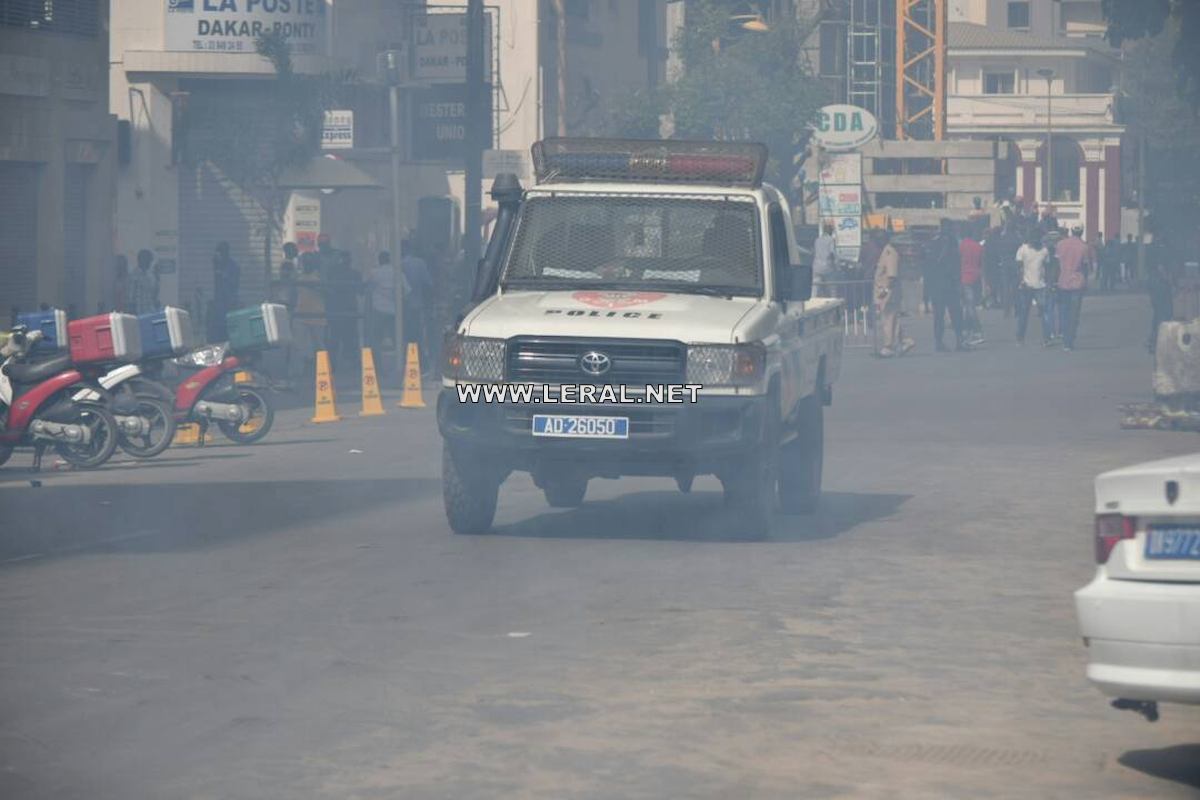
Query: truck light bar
650, 161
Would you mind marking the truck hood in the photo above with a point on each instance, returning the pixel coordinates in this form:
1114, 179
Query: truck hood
624, 314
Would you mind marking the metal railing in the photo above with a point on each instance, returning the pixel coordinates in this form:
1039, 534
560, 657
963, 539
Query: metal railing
859, 320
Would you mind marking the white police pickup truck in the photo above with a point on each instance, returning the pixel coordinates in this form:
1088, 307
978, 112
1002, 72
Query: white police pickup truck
642, 310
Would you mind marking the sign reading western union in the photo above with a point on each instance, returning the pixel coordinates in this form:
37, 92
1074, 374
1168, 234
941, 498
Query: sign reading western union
231, 26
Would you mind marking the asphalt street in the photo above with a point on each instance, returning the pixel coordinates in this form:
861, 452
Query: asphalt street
295, 619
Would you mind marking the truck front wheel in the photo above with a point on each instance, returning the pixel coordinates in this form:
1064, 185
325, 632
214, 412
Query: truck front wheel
751, 489
469, 493
801, 461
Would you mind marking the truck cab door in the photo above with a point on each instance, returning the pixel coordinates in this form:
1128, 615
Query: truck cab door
791, 316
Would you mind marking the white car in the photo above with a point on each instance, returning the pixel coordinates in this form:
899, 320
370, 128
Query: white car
1140, 615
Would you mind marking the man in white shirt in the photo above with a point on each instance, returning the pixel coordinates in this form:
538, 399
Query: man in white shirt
1032, 257
824, 258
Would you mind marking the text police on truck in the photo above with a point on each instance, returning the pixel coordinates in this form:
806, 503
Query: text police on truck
642, 310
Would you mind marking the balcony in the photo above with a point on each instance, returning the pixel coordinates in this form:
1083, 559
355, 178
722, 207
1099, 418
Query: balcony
1016, 113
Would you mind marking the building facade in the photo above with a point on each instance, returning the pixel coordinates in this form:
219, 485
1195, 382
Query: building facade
171, 75
58, 151
1038, 75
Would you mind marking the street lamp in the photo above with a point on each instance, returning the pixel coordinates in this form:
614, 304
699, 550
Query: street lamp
1048, 74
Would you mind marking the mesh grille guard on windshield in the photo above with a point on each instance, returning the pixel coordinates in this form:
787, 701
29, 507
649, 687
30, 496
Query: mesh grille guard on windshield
650, 161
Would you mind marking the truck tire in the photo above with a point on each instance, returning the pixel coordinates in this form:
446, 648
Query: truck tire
751, 490
801, 461
566, 492
468, 493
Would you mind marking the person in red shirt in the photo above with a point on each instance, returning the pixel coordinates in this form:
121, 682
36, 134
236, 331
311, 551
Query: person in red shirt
970, 253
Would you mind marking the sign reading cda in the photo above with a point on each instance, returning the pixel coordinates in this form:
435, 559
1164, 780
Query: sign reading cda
841, 127
231, 26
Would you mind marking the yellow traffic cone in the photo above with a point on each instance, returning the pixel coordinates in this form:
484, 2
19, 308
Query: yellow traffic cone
186, 434
372, 403
326, 410
412, 380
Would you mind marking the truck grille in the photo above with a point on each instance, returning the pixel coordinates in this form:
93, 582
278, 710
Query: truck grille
560, 360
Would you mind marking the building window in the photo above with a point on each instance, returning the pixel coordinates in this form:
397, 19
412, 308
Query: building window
1018, 15
999, 82
73, 17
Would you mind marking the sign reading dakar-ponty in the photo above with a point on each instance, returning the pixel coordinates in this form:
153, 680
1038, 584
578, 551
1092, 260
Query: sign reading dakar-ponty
231, 26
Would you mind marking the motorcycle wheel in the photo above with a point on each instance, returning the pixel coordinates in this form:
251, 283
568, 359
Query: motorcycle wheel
259, 424
105, 435
161, 419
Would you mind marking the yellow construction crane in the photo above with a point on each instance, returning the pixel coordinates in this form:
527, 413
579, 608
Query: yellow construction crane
921, 69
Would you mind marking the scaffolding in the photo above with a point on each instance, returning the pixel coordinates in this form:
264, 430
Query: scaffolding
921, 69
871, 59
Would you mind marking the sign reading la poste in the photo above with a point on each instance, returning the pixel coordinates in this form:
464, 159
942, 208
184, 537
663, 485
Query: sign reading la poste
841, 127
231, 26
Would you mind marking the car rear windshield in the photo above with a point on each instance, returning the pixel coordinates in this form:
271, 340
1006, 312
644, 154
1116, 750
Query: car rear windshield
685, 244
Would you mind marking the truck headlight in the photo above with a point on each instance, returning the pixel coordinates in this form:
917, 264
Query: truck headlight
472, 358
726, 365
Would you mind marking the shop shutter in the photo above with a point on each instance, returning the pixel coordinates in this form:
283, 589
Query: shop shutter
75, 254
18, 236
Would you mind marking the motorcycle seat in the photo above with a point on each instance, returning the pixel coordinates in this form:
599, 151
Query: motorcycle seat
24, 374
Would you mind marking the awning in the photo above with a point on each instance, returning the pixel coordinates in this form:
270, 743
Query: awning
327, 173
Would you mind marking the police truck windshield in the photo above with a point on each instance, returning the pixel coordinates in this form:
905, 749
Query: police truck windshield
680, 244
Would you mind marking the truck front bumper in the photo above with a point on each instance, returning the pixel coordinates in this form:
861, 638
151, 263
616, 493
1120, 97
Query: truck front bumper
705, 437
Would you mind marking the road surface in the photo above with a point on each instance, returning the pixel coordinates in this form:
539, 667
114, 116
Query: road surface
295, 619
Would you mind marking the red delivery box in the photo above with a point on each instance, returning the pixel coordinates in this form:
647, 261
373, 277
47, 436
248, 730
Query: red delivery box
105, 337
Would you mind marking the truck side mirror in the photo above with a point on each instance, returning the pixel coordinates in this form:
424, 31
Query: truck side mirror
802, 282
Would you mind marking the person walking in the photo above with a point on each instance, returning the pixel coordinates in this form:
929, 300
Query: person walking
825, 260
1162, 296
1032, 257
341, 307
310, 309
887, 297
381, 285
418, 294
1075, 260
970, 253
143, 286
227, 278
284, 292
1128, 260
120, 285
1108, 263
943, 284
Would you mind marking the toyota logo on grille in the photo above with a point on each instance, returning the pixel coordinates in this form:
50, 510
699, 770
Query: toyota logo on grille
595, 363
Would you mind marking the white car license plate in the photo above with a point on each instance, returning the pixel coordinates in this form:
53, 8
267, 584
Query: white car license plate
1166, 542
580, 427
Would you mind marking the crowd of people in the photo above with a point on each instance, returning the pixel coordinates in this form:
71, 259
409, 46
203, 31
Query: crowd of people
1026, 264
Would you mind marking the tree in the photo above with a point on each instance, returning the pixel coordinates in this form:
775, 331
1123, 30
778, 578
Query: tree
1158, 106
1139, 19
735, 84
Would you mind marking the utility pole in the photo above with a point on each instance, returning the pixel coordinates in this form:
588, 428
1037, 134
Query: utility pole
1048, 74
477, 126
1141, 178
396, 224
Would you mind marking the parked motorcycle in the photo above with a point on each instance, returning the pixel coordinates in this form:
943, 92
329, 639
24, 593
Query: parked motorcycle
38, 409
209, 392
145, 418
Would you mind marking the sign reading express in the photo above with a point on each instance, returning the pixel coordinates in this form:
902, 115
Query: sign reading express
231, 26
841, 127
440, 122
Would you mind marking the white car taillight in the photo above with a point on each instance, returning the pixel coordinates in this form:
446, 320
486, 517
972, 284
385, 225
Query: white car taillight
1110, 529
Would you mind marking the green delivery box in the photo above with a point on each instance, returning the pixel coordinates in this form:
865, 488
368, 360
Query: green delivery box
258, 327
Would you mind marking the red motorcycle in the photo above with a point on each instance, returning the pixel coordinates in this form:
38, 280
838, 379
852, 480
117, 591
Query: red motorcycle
209, 392
38, 408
